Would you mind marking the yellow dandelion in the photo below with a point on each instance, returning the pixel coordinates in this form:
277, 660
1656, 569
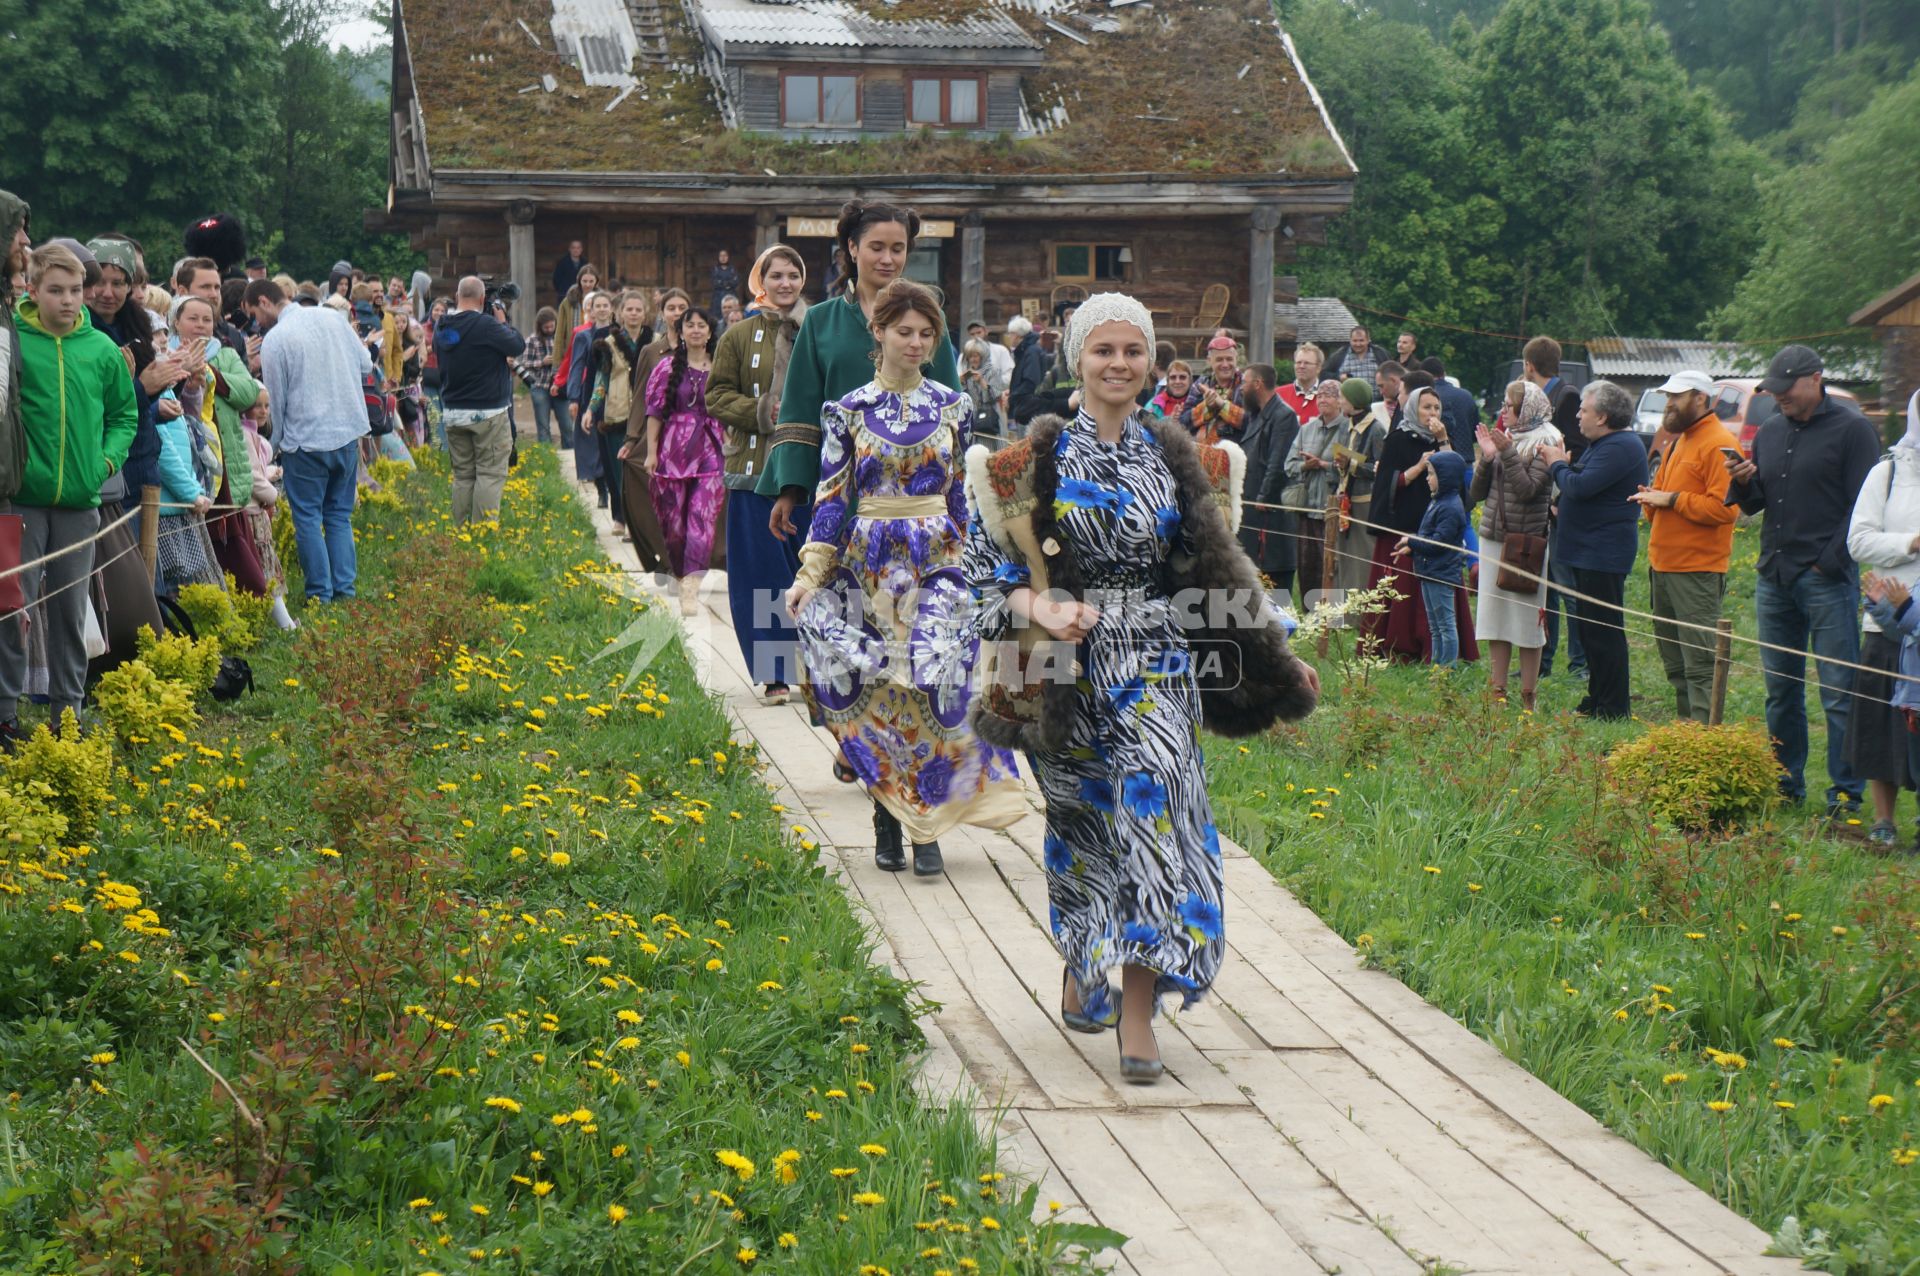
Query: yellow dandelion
419, 1203
740, 1165
616, 1213
787, 1240
481, 1210
1721, 1106
1879, 1101
559, 859
503, 1103
873, 1149
1673, 1078
869, 1198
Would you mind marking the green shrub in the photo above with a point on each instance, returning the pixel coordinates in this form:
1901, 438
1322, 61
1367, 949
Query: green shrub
179, 658
75, 771
214, 616
139, 704
1696, 777
30, 819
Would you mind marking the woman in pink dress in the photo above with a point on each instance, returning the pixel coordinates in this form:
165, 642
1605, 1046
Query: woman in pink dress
684, 462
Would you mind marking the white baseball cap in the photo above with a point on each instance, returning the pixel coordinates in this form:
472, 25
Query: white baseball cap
1681, 382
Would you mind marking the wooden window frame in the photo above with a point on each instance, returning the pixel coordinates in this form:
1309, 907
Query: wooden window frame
820, 92
946, 80
1093, 257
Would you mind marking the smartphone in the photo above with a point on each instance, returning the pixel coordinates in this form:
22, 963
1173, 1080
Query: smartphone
1732, 454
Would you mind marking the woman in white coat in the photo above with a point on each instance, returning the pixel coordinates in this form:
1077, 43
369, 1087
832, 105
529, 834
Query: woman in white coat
1884, 538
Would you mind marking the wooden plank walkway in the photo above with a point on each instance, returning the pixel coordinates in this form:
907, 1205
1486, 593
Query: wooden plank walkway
1316, 1116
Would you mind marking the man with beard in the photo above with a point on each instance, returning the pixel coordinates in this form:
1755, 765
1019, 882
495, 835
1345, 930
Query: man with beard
1691, 539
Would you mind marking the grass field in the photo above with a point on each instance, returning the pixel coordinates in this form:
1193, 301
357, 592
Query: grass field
442, 954
1742, 1007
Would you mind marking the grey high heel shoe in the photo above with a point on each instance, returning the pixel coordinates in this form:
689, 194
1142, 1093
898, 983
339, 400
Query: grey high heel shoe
1136, 1070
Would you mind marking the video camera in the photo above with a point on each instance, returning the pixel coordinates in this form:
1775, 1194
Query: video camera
502, 293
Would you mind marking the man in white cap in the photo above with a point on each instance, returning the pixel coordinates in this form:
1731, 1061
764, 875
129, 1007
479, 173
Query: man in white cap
1692, 537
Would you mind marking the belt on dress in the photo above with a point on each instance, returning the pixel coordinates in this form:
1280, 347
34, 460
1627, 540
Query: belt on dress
900, 507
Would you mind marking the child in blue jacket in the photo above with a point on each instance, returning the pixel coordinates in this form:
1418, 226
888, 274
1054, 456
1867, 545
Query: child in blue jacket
1438, 558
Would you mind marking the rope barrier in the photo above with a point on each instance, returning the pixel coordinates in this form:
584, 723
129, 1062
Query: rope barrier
122, 521
1795, 652
1588, 341
72, 584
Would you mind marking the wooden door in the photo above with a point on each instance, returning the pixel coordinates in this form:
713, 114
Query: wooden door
636, 256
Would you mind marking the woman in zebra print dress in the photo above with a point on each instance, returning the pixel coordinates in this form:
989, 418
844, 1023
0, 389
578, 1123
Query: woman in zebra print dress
1132, 855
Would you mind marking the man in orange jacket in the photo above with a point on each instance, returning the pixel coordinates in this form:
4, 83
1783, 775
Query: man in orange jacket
1692, 537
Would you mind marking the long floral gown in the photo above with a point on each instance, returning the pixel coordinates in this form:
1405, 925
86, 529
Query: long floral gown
887, 636
1132, 855
689, 484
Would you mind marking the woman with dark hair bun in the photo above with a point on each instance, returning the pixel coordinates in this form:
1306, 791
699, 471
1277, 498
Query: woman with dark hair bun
683, 461
835, 354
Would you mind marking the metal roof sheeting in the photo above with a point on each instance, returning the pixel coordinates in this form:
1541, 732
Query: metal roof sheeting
1317, 319
1641, 357
829, 24
599, 35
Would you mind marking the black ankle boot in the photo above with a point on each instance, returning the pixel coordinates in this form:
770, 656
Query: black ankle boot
926, 859
889, 850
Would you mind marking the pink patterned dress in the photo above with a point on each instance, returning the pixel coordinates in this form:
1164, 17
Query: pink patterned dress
688, 485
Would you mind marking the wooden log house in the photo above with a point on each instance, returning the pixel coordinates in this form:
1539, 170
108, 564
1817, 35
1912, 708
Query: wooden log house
1055, 147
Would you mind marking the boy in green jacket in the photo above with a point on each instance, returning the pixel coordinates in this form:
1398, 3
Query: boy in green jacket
78, 412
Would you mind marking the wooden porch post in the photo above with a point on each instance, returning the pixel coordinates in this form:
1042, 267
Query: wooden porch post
520, 264
766, 231
1265, 220
973, 266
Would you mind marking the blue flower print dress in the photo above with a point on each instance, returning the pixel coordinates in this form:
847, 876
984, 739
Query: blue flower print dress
1132, 855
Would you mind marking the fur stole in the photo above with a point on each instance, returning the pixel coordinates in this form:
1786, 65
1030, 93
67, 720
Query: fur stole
1248, 678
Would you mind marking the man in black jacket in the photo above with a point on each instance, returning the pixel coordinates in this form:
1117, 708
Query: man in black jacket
1266, 438
1029, 367
476, 389
566, 271
1809, 460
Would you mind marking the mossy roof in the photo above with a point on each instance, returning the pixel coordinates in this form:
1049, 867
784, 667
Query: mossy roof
1161, 92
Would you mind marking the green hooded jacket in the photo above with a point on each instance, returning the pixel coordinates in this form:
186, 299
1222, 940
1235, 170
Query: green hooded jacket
77, 408
233, 393
13, 443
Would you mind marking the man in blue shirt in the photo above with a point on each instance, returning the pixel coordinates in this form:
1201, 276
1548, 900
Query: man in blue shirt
315, 372
1599, 536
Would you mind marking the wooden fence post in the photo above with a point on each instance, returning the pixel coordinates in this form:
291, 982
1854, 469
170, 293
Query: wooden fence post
1722, 666
150, 527
1329, 555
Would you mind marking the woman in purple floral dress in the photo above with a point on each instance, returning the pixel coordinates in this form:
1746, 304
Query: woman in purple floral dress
685, 467
882, 608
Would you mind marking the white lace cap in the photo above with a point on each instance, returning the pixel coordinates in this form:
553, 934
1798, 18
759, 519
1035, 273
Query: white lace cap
1105, 307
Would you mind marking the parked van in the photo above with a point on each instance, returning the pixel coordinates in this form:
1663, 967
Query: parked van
1742, 405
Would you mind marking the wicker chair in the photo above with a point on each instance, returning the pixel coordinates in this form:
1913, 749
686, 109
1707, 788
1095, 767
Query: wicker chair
1213, 309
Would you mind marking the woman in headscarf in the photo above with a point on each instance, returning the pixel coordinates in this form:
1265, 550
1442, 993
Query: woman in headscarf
1122, 513
1357, 444
1881, 537
1310, 474
743, 391
1400, 498
1512, 483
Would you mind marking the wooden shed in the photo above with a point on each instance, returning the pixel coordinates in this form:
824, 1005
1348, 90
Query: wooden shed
1895, 317
1174, 149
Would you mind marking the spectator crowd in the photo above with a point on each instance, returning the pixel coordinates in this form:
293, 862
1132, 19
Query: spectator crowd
234, 393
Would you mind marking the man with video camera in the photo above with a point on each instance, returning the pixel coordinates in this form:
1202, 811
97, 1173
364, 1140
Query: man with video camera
476, 389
